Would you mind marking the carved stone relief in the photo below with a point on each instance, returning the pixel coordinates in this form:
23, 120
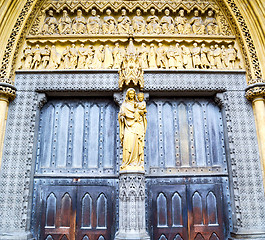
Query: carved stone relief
183, 55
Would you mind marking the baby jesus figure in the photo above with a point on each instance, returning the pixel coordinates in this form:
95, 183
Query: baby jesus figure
141, 110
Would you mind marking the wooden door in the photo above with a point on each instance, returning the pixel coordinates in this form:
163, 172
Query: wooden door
58, 213
94, 212
187, 212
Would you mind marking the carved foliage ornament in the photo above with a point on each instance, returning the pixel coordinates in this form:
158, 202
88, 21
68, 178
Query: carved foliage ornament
255, 91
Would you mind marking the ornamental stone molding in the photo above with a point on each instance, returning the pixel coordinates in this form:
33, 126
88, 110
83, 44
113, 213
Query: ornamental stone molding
7, 91
255, 90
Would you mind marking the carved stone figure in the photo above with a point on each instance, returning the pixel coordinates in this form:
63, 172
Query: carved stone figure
93, 23
27, 56
161, 57
231, 56
73, 56
132, 123
45, 53
117, 56
98, 58
197, 23
138, 22
109, 25
217, 57
171, 57
124, 22
182, 23
55, 59
79, 23
204, 60
36, 57
143, 53
50, 25
66, 58
196, 51
211, 57
187, 60
108, 58
167, 23
153, 23
90, 56
152, 56
178, 56
224, 57
211, 24
65, 23
82, 53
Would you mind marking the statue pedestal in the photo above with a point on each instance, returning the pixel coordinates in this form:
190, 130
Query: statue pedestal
132, 207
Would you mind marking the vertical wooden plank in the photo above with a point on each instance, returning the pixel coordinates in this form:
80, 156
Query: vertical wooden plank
45, 138
78, 136
109, 136
199, 135
93, 136
62, 141
184, 135
152, 135
168, 135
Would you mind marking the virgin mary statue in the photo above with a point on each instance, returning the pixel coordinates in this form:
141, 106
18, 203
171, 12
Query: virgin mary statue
133, 123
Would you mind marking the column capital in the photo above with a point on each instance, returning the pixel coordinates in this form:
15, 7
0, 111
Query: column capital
7, 91
255, 90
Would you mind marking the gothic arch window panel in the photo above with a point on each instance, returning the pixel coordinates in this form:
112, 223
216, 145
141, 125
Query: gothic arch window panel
197, 209
177, 215
178, 237
102, 212
211, 206
66, 210
185, 135
161, 210
86, 214
77, 136
51, 210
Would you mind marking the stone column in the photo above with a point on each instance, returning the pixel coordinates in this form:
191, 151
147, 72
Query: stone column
7, 93
132, 224
256, 94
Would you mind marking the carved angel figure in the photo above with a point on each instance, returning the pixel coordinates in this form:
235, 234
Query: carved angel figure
196, 51
197, 23
204, 60
109, 25
124, 22
138, 22
45, 53
211, 24
161, 57
50, 25
65, 23
36, 57
93, 23
79, 23
182, 23
133, 125
167, 23
153, 25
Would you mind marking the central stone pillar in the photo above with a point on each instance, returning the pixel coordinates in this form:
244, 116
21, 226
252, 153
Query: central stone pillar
132, 224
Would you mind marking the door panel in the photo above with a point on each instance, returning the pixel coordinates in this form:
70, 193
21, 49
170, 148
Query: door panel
58, 212
188, 212
97, 222
169, 218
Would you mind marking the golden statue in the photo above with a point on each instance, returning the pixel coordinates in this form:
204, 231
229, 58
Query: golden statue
197, 23
167, 23
211, 24
93, 23
79, 23
133, 123
138, 22
109, 25
124, 22
50, 25
153, 25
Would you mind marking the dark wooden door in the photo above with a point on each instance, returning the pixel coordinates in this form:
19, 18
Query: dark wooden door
94, 213
169, 212
76, 212
187, 212
58, 212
